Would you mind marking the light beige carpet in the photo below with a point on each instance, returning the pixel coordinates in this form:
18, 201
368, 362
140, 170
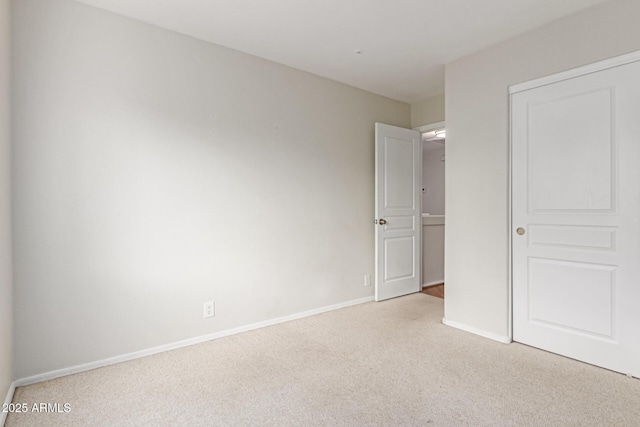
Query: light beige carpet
389, 363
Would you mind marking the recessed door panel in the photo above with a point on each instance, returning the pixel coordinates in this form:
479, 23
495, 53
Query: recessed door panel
399, 173
399, 222
588, 289
572, 137
400, 266
572, 237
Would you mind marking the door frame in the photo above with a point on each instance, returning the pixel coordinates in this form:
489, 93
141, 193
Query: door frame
521, 87
430, 127
424, 129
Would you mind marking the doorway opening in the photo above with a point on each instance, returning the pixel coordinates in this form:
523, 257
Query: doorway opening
433, 208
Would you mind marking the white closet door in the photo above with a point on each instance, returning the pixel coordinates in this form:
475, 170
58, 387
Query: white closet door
576, 215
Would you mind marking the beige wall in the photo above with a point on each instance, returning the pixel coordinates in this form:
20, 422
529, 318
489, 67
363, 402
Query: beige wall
433, 168
477, 148
6, 286
428, 111
155, 172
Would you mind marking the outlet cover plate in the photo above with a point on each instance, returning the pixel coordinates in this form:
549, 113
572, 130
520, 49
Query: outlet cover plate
209, 309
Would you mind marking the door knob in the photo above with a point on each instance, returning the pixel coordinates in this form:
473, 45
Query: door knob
382, 221
520, 231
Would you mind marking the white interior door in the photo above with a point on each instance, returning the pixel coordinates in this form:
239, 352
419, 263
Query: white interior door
398, 211
575, 217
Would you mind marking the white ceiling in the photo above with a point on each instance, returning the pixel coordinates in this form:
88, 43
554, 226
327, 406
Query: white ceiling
404, 43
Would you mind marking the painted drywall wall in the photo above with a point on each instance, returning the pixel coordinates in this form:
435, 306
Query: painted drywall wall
433, 249
433, 178
154, 172
477, 174
428, 111
6, 285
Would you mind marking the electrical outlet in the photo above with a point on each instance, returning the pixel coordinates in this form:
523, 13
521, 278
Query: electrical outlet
209, 309
367, 280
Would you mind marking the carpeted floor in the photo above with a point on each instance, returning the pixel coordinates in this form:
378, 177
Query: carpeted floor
388, 363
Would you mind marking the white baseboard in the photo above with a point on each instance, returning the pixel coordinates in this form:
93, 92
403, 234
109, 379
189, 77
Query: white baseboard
179, 344
496, 337
435, 282
7, 400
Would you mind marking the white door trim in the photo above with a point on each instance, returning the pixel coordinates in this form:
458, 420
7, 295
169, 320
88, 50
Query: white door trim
576, 72
520, 87
430, 127
510, 225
